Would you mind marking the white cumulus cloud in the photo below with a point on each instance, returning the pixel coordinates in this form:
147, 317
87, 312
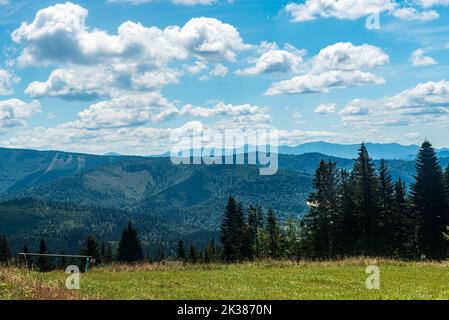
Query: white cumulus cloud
339, 65
275, 60
342, 9
92, 62
15, 112
326, 108
129, 110
7, 82
426, 103
419, 59
323, 82
412, 14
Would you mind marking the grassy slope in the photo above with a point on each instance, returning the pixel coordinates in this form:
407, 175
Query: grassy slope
326, 280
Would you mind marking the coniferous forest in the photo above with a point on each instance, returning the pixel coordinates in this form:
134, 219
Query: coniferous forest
358, 212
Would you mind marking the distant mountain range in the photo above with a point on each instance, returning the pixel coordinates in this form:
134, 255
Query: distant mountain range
377, 151
168, 202
391, 151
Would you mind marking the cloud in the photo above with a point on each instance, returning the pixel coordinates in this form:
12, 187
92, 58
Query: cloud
129, 110
347, 56
181, 2
223, 109
219, 71
321, 83
326, 108
432, 3
139, 140
133, 2
196, 68
194, 2
15, 112
59, 34
412, 14
426, 103
275, 60
353, 9
342, 9
141, 109
339, 65
7, 82
419, 59
92, 63
210, 39
93, 82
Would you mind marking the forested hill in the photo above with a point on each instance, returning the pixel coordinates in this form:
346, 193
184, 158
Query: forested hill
22, 169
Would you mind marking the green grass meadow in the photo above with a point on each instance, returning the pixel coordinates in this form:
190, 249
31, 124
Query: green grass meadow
261, 280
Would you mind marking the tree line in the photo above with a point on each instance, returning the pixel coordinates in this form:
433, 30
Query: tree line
129, 250
358, 212
364, 212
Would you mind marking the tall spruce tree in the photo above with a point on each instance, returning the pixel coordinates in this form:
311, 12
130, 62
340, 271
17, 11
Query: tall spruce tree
446, 178
193, 254
404, 226
385, 226
324, 221
292, 240
129, 248
430, 202
5, 251
274, 235
366, 199
180, 251
90, 248
232, 231
255, 224
350, 225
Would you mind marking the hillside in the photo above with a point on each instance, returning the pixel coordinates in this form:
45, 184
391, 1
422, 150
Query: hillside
21, 169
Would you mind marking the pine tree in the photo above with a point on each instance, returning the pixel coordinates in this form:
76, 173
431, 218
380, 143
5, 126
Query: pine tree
5, 251
43, 262
232, 230
430, 201
403, 223
206, 256
385, 225
255, 225
129, 248
446, 178
323, 222
274, 235
180, 252
366, 199
350, 226
160, 253
90, 248
291, 240
193, 254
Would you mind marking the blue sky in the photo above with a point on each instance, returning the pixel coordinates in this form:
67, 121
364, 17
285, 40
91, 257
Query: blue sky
100, 76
